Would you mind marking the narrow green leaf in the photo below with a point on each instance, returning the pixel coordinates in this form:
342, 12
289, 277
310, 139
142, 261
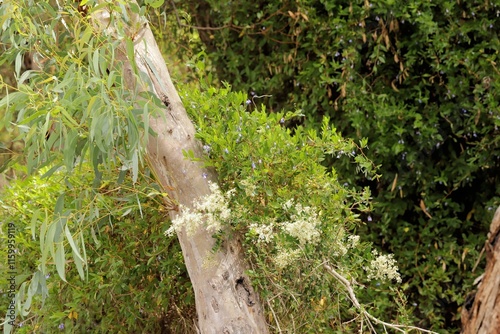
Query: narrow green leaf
31, 117
70, 150
60, 260
103, 61
27, 303
95, 63
111, 79
32, 289
60, 223
94, 237
43, 231
49, 242
79, 266
74, 247
34, 220
51, 171
7, 327
126, 212
135, 166
18, 64
129, 44
25, 76
84, 252
59, 204
42, 283
69, 118
46, 125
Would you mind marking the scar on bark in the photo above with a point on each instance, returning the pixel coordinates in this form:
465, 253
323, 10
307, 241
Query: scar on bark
165, 100
245, 291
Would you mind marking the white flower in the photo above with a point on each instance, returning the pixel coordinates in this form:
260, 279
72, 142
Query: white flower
303, 225
352, 241
210, 211
265, 232
383, 268
286, 257
339, 249
187, 219
288, 204
250, 188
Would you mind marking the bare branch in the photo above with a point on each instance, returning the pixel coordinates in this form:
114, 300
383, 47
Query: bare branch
347, 285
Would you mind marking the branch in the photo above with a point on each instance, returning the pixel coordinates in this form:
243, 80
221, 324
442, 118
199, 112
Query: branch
347, 285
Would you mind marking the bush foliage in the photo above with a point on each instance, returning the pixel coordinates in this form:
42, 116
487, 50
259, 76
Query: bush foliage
290, 213
135, 280
420, 81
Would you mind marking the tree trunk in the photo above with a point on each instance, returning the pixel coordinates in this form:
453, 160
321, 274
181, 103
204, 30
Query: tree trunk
481, 311
225, 300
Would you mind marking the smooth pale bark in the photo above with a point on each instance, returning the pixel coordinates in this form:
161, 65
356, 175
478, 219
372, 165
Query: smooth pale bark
225, 300
481, 312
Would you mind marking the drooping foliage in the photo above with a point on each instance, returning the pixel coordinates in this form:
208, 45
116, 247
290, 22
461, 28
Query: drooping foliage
135, 280
72, 114
420, 81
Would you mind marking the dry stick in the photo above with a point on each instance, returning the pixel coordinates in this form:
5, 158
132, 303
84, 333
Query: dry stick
354, 300
274, 315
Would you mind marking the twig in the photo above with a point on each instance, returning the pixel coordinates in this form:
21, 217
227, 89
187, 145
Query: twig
478, 259
347, 285
258, 97
274, 316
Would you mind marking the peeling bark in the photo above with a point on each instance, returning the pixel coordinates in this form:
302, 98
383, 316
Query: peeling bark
481, 311
225, 300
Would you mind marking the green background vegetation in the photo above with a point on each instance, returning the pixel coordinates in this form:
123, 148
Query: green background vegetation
420, 81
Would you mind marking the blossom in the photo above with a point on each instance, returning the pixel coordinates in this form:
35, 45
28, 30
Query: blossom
265, 232
339, 249
352, 241
303, 225
288, 204
286, 257
250, 187
383, 268
210, 211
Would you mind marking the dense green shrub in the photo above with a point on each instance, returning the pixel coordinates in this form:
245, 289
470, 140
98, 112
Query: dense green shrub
135, 281
291, 214
420, 80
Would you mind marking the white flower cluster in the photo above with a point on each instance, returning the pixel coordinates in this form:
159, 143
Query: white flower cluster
265, 232
352, 241
250, 187
304, 223
383, 268
286, 257
210, 211
339, 249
